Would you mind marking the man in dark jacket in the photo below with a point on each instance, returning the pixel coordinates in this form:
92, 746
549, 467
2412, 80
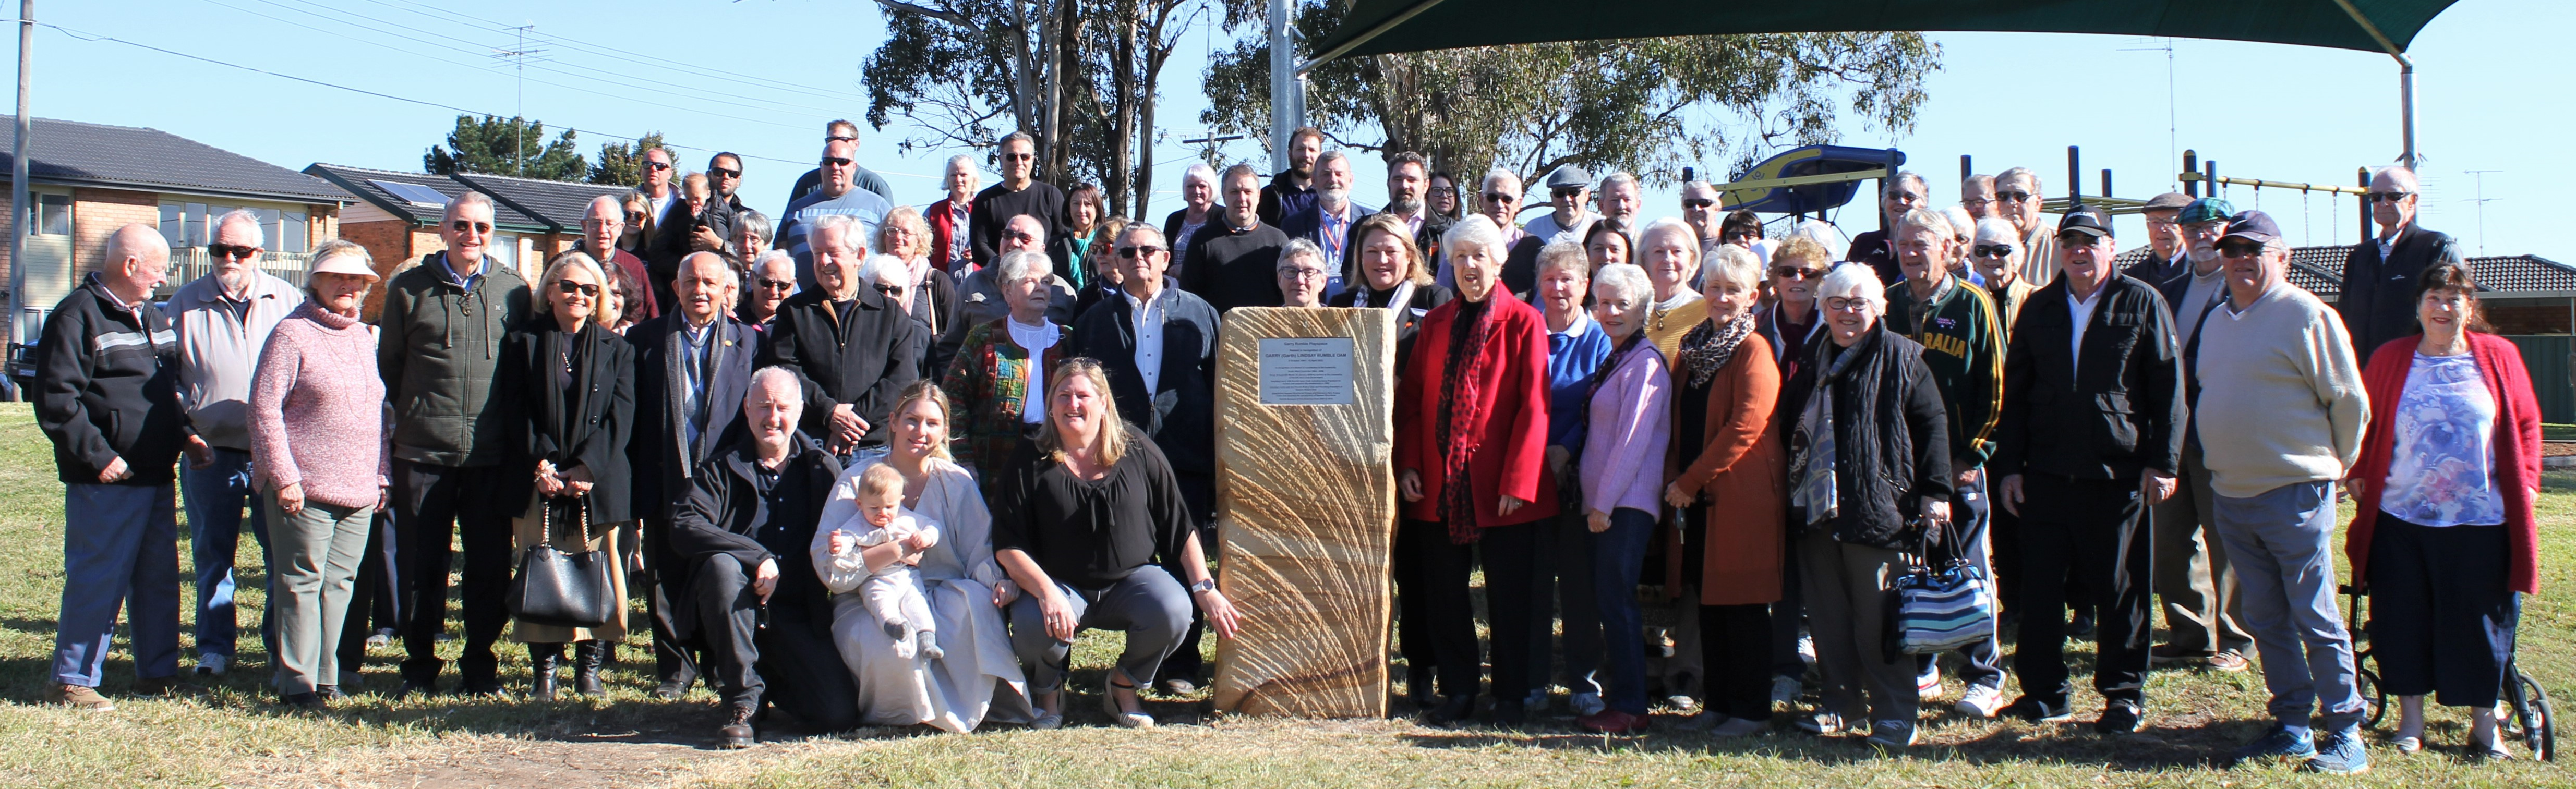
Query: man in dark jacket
1877, 248
1292, 191
1158, 344
1235, 262
107, 395
749, 590
853, 349
2091, 436
691, 367
709, 231
2168, 262
1019, 193
1407, 181
2378, 302
440, 342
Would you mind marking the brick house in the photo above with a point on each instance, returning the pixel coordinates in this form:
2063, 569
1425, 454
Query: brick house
85, 180
396, 215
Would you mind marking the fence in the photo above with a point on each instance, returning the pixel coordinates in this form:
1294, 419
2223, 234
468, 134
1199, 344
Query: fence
2551, 358
189, 263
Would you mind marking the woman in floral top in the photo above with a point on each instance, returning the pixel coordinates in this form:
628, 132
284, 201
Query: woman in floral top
991, 376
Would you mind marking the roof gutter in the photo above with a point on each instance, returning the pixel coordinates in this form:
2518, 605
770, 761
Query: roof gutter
2405, 78
1372, 33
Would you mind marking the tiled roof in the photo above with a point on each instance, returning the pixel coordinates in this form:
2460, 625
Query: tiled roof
559, 203
137, 158
2320, 270
360, 181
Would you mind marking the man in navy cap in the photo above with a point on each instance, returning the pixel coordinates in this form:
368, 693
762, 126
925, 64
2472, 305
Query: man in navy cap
2278, 408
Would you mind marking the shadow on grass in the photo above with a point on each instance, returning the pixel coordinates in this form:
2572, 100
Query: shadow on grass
2160, 747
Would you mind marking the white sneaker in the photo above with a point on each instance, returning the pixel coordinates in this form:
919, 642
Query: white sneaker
383, 637
1587, 703
1927, 688
1786, 690
1982, 702
212, 664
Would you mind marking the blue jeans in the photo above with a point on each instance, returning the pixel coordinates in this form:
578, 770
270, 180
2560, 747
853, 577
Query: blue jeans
2282, 545
216, 496
120, 550
1618, 556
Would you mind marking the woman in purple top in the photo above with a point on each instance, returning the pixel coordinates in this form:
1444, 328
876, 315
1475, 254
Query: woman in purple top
1627, 424
318, 428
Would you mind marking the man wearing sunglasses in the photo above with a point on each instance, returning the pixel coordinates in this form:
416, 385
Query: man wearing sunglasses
1877, 248
1019, 193
2378, 302
1996, 254
440, 346
1569, 190
708, 231
839, 195
2203, 601
841, 131
773, 279
660, 187
1701, 211
2017, 200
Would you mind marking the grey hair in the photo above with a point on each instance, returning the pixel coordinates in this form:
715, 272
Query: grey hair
1474, 230
1973, 180
1998, 229
759, 224
847, 224
778, 256
1015, 265
1565, 255
2020, 172
338, 247
1826, 234
555, 270
1297, 248
145, 243
781, 379
1329, 156
469, 197
258, 234
1499, 172
1133, 228
1853, 280
1625, 279
962, 160
1017, 136
1961, 224
724, 269
1934, 221
1670, 224
876, 267
1619, 178
616, 206
1237, 171
1200, 171
1734, 264
1903, 176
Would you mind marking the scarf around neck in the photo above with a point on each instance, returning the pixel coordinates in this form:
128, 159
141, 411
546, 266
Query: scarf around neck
1462, 415
1818, 496
1709, 346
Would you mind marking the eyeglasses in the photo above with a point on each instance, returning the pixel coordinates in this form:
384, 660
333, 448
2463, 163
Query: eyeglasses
1022, 238
2240, 250
1577, 191
657, 165
1133, 253
1302, 273
1697, 202
477, 228
719, 172
1498, 197
1991, 250
835, 161
1909, 197
775, 284
1795, 272
569, 287
1019, 156
890, 290
2386, 197
230, 251
2014, 197
1846, 304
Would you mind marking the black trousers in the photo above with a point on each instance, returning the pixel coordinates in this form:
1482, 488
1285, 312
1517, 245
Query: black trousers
2095, 530
1735, 650
1510, 557
2442, 610
377, 594
432, 506
789, 661
1435, 616
1787, 617
2005, 529
674, 659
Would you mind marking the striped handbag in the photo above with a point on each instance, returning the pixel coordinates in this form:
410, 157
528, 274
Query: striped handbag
1942, 604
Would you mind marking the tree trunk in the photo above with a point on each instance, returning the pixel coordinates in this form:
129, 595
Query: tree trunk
1122, 158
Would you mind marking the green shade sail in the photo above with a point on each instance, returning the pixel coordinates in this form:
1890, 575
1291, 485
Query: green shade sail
1386, 26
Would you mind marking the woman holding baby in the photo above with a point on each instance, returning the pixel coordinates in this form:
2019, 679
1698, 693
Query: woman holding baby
916, 539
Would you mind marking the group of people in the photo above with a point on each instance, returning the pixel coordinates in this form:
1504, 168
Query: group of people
885, 472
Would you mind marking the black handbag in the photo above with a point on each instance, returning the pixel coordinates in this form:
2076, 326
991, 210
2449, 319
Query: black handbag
554, 587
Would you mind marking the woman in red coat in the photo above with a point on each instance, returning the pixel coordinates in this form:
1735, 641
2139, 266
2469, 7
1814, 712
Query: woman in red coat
2444, 538
1470, 461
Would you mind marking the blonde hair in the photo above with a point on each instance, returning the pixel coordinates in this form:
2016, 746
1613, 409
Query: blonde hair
555, 270
879, 480
1392, 225
908, 217
1802, 249
926, 390
1112, 443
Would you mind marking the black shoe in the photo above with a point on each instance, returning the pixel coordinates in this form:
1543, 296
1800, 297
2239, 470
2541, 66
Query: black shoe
2036, 711
2117, 720
675, 686
488, 689
329, 692
2082, 627
412, 688
1451, 710
587, 657
1509, 712
737, 732
542, 660
1417, 686
308, 701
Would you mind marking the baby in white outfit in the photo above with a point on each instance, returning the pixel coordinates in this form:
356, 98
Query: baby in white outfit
893, 594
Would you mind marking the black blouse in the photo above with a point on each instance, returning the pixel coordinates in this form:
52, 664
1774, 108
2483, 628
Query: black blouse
1085, 533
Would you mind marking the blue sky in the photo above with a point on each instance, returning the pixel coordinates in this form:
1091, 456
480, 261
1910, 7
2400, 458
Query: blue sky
760, 76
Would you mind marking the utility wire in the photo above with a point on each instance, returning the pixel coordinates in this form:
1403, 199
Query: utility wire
615, 52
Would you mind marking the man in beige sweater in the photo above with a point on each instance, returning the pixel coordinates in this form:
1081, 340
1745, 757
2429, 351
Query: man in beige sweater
2279, 411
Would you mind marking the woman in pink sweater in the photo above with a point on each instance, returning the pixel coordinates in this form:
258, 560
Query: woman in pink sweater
1627, 425
318, 430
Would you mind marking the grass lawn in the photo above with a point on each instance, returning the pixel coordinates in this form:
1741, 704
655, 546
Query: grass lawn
234, 736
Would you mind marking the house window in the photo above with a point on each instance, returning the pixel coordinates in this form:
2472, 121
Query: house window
294, 235
50, 215
190, 224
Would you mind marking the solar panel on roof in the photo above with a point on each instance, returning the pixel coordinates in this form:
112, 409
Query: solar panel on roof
413, 193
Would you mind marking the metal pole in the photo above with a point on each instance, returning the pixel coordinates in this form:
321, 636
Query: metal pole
18, 188
1965, 169
1285, 114
2191, 163
2406, 108
2106, 182
2074, 179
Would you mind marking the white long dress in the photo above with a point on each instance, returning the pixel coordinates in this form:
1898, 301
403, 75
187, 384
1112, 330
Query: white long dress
980, 678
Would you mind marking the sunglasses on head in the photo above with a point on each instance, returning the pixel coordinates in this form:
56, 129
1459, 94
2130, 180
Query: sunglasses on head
2240, 250
569, 287
1795, 272
1133, 253
1697, 202
230, 251
2386, 197
1991, 250
835, 161
719, 172
463, 226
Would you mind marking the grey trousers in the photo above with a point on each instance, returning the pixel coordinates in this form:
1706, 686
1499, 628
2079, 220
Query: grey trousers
1847, 589
2203, 605
2283, 545
1148, 605
313, 558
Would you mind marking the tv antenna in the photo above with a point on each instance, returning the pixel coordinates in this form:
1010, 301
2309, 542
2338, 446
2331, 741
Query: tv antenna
2481, 202
519, 125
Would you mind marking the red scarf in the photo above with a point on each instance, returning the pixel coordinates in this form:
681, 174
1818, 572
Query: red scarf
1462, 415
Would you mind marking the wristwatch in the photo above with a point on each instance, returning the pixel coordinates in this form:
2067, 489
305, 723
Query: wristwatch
1208, 585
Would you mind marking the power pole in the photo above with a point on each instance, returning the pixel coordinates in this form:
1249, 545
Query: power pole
18, 189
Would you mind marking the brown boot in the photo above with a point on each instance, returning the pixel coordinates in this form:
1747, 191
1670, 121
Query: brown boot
737, 731
79, 697
166, 686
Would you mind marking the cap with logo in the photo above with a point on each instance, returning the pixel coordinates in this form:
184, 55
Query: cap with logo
2254, 226
2087, 220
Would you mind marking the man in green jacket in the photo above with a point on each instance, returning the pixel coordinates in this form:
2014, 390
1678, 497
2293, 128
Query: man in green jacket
1963, 345
442, 326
